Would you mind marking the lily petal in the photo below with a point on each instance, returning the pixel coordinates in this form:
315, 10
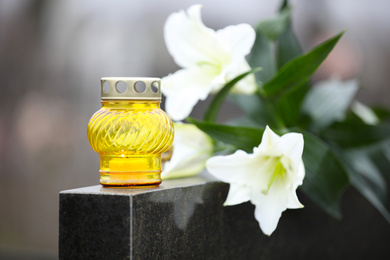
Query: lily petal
237, 194
365, 113
231, 168
192, 148
184, 89
293, 201
267, 142
246, 86
240, 39
291, 146
188, 40
269, 210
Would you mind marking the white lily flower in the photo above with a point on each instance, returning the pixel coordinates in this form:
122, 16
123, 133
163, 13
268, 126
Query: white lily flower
268, 177
209, 60
191, 149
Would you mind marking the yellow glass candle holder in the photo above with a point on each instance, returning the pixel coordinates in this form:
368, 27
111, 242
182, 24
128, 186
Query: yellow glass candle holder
130, 132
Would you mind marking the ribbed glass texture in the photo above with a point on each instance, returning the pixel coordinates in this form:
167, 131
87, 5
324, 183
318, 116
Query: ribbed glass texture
130, 137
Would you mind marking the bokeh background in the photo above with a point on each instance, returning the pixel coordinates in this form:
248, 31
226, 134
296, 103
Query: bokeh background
53, 54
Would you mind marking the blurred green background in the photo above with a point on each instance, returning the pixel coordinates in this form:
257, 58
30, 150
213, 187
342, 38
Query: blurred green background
53, 54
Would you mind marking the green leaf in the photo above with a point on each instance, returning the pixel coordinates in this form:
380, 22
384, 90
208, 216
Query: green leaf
288, 106
381, 158
244, 121
254, 107
244, 138
352, 134
288, 45
382, 112
325, 178
362, 165
300, 68
284, 5
273, 27
361, 184
328, 101
262, 56
212, 111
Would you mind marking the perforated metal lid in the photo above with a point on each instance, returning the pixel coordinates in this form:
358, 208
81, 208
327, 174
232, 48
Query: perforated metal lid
134, 88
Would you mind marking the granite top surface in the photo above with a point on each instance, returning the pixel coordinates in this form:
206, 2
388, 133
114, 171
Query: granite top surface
201, 179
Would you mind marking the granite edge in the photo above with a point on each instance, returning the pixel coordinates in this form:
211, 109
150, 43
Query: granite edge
201, 179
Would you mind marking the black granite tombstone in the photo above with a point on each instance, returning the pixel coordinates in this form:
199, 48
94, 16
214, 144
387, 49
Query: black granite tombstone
186, 219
